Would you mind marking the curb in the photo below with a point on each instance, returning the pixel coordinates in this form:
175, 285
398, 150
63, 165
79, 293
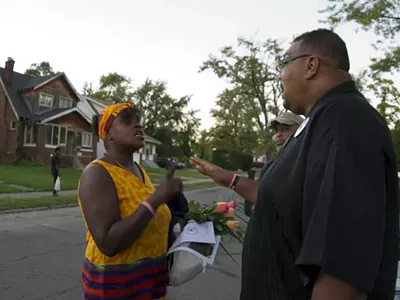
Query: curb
15, 211
41, 208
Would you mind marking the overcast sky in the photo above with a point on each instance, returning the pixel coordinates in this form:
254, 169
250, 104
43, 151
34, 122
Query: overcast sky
154, 38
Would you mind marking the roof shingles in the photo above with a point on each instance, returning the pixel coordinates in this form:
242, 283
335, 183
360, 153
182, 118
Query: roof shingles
22, 82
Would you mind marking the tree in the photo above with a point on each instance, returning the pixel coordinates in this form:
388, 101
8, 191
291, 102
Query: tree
41, 69
87, 89
235, 126
255, 81
114, 87
380, 16
167, 118
202, 147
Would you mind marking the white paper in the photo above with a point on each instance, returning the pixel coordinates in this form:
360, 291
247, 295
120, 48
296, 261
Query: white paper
198, 239
199, 233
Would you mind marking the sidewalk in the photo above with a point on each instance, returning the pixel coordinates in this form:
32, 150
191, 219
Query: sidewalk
24, 195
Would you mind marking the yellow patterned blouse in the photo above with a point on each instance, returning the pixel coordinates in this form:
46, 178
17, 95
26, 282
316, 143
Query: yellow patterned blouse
131, 192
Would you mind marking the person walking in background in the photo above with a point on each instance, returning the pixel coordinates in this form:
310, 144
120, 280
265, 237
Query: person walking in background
55, 167
126, 217
326, 223
283, 127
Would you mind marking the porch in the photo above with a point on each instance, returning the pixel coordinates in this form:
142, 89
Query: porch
70, 133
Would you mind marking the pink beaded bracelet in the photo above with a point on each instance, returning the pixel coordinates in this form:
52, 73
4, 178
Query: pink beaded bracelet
149, 207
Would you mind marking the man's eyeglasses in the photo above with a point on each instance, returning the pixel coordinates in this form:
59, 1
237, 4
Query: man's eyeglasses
281, 62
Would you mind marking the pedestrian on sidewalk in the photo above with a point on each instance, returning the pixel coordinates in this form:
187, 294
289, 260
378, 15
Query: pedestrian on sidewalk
55, 167
326, 222
283, 127
126, 217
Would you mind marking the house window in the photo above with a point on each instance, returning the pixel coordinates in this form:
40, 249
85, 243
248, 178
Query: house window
45, 100
65, 103
30, 134
56, 135
13, 125
86, 139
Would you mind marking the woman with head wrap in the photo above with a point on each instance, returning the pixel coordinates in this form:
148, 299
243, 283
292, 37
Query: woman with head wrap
127, 219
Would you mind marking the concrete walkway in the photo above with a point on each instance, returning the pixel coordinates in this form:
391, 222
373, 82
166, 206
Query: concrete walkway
35, 194
24, 195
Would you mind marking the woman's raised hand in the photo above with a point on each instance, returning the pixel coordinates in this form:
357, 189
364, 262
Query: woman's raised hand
168, 188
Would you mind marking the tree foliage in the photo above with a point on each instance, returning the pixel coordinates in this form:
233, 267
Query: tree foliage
235, 126
40, 69
383, 18
113, 87
243, 110
380, 16
167, 118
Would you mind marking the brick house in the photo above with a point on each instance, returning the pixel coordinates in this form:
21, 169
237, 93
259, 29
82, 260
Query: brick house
37, 114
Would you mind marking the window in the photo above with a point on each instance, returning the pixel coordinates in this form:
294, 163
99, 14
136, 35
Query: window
86, 139
30, 134
13, 125
56, 135
45, 100
65, 103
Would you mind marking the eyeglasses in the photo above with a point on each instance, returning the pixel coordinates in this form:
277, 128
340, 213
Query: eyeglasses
280, 63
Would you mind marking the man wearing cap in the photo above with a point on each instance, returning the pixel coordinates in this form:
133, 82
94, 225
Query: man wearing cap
283, 126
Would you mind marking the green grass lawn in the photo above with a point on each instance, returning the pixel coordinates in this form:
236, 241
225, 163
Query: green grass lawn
10, 203
51, 201
8, 189
38, 177
179, 173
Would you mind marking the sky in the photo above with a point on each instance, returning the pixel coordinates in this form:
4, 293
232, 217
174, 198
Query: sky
157, 39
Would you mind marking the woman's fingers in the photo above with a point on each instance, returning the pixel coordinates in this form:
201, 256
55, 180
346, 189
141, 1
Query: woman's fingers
171, 169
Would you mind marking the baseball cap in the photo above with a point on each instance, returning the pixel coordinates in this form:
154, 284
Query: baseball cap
287, 118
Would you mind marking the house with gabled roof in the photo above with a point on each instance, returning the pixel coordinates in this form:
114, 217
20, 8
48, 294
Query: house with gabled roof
38, 114
145, 156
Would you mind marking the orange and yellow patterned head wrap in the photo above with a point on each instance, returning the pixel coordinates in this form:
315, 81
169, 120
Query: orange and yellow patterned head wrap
107, 113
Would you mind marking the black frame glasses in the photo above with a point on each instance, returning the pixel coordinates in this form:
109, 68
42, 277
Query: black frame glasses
280, 63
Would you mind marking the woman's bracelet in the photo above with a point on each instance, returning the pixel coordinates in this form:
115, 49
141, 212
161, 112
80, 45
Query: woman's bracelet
146, 205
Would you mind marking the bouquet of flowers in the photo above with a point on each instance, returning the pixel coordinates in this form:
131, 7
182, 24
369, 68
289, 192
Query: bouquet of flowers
190, 259
222, 215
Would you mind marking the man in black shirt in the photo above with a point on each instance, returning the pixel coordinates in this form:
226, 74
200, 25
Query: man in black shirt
326, 223
55, 167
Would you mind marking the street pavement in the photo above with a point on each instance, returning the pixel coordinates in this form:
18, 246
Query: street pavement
42, 252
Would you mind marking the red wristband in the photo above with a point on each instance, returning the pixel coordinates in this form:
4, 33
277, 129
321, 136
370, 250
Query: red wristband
232, 181
149, 207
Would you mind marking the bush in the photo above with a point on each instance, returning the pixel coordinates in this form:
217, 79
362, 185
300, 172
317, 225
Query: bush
232, 160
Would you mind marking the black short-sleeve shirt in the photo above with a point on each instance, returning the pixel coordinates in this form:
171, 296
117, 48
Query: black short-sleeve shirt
329, 203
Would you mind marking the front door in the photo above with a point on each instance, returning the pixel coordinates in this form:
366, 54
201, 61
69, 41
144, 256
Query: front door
71, 143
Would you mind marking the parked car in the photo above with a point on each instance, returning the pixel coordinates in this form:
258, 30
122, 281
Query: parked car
258, 165
181, 165
163, 162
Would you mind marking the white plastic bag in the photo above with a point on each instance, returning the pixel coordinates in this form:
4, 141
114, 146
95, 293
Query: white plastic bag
57, 185
185, 267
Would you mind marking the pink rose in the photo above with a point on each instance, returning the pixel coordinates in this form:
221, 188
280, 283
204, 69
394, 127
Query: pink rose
230, 212
222, 207
232, 204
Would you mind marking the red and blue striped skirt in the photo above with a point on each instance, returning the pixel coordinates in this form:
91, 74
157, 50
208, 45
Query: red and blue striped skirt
141, 280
